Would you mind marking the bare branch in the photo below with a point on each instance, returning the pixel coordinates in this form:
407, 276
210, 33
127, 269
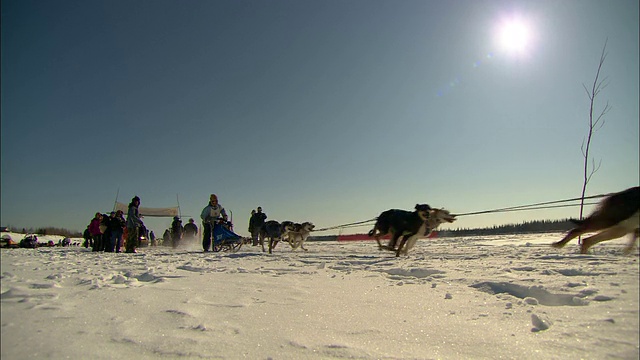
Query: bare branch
596, 168
594, 125
603, 83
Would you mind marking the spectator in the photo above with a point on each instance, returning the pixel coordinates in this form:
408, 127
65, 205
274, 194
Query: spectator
94, 229
255, 223
87, 237
253, 212
190, 230
166, 237
209, 216
117, 223
176, 232
133, 224
106, 233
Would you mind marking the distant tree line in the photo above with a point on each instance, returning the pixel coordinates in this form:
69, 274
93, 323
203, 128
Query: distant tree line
48, 231
535, 226
532, 227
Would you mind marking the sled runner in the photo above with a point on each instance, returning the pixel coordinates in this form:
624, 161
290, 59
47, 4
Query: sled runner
224, 239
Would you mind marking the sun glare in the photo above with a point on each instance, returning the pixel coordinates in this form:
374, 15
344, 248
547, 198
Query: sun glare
514, 36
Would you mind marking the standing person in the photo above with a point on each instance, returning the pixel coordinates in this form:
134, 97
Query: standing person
166, 237
253, 212
133, 224
256, 222
94, 229
190, 230
176, 231
116, 227
209, 216
107, 245
106, 232
87, 237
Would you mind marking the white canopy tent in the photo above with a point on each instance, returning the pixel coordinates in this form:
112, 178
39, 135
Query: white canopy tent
146, 211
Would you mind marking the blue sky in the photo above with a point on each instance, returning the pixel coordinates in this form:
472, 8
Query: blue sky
324, 111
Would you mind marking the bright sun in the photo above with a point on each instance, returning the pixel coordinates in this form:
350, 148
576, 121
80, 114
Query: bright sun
514, 36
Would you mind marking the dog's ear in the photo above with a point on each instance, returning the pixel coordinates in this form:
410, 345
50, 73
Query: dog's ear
423, 207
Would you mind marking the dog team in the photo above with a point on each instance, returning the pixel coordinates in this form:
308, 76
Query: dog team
293, 233
617, 215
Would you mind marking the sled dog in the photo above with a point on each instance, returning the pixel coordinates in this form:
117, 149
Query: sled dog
270, 230
436, 217
398, 223
286, 228
615, 216
300, 235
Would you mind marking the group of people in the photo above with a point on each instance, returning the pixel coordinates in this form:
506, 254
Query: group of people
178, 233
108, 232
111, 233
255, 223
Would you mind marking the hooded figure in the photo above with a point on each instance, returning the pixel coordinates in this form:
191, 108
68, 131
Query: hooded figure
133, 225
176, 231
190, 229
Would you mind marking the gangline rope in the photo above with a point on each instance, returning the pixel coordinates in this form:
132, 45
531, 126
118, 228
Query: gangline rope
536, 206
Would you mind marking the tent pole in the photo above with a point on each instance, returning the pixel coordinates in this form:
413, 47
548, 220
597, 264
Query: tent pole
115, 203
179, 211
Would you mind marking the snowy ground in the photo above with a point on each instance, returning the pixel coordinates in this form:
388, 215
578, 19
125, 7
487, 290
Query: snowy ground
451, 298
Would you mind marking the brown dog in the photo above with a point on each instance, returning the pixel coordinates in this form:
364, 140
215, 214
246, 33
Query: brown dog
616, 216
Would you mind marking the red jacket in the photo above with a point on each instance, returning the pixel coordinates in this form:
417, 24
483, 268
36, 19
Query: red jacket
94, 227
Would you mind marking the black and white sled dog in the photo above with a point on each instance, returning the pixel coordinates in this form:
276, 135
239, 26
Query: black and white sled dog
271, 230
296, 234
300, 234
615, 216
436, 217
398, 223
410, 225
287, 228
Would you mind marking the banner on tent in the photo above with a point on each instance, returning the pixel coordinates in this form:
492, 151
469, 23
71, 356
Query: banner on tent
145, 211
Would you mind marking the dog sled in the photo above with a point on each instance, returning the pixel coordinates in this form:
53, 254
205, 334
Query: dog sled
224, 239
